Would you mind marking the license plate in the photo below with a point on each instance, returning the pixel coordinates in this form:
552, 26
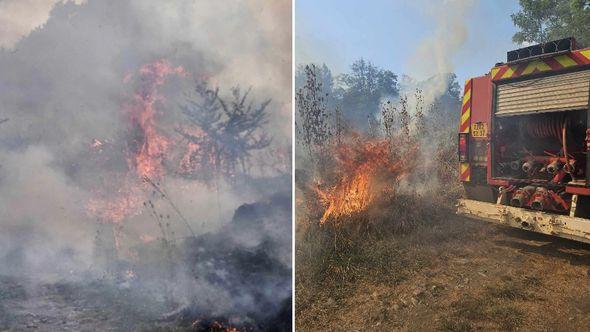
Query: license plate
479, 129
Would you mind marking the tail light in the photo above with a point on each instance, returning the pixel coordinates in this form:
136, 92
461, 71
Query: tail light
463, 148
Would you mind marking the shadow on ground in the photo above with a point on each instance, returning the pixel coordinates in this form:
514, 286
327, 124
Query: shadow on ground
576, 253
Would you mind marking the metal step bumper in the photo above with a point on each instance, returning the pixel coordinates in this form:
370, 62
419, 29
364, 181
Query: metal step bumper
546, 223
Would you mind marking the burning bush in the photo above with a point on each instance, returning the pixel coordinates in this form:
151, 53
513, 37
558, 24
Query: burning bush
228, 132
363, 170
353, 172
405, 151
358, 192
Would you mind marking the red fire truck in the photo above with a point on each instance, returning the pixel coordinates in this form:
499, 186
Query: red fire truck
524, 138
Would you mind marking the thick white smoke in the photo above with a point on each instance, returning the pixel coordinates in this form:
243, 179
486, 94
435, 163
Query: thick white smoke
68, 69
432, 61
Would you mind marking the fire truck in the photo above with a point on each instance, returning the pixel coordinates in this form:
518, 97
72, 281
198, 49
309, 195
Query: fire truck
524, 138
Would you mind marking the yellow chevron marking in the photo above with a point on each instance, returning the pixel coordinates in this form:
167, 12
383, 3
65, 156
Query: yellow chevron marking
464, 169
565, 61
586, 53
495, 70
539, 65
466, 96
465, 116
466, 128
509, 72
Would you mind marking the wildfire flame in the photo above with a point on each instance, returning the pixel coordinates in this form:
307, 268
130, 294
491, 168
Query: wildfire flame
189, 162
122, 195
96, 143
152, 145
364, 170
215, 326
114, 207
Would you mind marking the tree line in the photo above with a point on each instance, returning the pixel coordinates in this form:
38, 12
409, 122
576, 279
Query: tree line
541, 21
327, 104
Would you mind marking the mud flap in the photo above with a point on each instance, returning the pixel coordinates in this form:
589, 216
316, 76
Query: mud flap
564, 226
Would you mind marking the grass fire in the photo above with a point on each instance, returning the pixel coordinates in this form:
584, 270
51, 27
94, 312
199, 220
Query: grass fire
364, 169
145, 168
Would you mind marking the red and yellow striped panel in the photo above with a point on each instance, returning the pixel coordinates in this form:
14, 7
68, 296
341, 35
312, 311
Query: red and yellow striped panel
465, 172
466, 108
567, 60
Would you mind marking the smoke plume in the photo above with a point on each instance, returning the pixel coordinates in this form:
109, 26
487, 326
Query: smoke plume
72, 70
433, 58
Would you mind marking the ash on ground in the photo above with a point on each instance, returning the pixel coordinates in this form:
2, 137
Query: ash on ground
238, 277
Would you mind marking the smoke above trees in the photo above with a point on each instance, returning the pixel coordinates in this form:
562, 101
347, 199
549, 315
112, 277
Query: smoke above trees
359, 95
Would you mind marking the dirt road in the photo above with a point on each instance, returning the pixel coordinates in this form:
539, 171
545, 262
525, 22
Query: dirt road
459, 275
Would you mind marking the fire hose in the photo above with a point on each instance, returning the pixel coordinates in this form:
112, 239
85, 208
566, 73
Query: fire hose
552, 128
567, 167
546, 128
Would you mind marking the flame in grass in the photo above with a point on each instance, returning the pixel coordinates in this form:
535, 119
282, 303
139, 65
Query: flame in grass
150, 146
215, 326
115, 207
122, 194
364, 169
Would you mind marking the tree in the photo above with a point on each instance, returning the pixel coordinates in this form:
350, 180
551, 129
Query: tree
445, 110
224, 133
545, 20
313, 128
325, 80
453, 87
362, 90
321, 72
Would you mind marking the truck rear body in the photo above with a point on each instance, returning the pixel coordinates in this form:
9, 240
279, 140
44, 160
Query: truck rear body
523, 141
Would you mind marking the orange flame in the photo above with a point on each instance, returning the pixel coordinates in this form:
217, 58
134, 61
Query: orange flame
364, 170
148, 160
217, 326
147, 152
115, 207
189, 162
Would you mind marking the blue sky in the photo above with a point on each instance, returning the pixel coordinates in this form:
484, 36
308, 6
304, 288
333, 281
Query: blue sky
388, 33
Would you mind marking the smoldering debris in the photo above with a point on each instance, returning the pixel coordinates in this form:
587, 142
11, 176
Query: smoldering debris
238, 277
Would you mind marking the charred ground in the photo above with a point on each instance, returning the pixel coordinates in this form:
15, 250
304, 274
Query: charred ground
145, 294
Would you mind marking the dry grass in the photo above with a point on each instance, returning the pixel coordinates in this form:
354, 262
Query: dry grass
448, 274
496, 307
380, 245
377, 247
